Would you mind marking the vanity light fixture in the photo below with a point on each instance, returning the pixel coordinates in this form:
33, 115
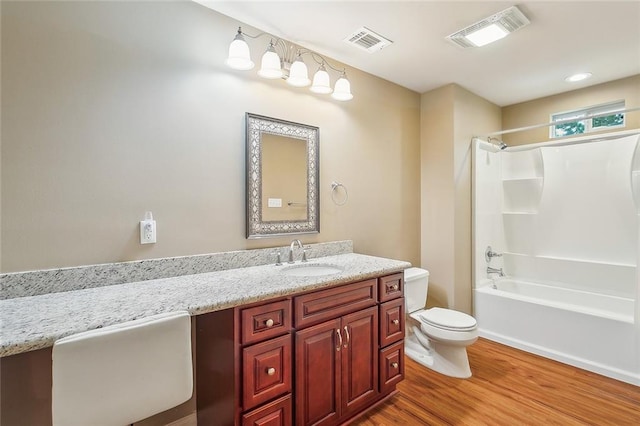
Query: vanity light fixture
284, 60
490, 29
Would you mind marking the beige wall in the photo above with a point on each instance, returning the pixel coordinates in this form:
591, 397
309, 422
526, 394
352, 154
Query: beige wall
450, 117
111, 109
539, 111
437, 193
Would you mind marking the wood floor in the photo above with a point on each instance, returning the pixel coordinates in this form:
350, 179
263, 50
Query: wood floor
508, 387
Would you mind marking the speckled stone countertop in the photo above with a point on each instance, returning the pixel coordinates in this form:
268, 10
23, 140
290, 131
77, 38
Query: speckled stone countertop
35, 322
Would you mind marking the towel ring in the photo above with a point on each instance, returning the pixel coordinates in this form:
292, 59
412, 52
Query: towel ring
334, 191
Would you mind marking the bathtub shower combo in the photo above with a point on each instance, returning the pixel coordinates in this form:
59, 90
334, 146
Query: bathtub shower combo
562, 220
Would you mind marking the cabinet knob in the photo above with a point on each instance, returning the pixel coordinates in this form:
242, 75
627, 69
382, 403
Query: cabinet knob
269, 322
395, 322
394, 365
395, 287
271, 371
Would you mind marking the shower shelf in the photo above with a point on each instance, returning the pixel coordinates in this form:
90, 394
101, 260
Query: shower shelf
534, 178
521, 195
573, 260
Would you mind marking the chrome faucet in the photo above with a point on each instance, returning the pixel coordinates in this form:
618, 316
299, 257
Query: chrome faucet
491, 270
489, 254
299, 244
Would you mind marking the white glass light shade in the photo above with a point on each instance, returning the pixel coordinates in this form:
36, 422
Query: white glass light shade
239, 56
342, 90
298, 74
321, 83
270, 66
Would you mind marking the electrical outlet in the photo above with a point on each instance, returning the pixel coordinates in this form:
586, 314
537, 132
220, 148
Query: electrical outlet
147, 231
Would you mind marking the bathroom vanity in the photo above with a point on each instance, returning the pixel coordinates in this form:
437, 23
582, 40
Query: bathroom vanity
318, 357
268, 345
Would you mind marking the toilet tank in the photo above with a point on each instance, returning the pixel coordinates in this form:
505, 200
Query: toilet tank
416, 285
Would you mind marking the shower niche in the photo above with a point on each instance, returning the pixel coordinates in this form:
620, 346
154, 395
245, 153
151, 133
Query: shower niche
522, 179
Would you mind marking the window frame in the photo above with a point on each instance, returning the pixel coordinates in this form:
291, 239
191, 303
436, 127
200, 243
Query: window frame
583, 115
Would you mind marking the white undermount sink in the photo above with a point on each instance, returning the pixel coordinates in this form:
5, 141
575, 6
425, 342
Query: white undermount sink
311, 270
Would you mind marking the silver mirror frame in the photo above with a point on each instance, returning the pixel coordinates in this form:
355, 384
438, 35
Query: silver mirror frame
256, 126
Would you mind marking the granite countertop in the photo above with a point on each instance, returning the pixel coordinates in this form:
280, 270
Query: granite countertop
35, 322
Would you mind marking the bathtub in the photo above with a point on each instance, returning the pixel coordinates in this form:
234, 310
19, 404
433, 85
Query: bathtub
591, 331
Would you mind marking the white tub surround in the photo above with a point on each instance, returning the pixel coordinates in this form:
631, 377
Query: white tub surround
565, 217
35, 322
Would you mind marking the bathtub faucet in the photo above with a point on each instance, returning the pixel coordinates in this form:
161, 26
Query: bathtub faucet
491, 270
489, 254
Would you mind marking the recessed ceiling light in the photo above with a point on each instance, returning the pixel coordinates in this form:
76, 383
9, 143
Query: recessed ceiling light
578, 77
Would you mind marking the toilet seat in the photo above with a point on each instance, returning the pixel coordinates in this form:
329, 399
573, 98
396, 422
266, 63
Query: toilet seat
446, 319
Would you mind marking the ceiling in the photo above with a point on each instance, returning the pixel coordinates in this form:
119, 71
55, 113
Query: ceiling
564, 37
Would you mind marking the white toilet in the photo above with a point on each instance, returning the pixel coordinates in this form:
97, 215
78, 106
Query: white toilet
436, 338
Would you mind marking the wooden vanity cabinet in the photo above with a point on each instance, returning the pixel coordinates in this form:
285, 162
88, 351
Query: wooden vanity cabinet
336, 368
392, 330
320, 357
244, 366
336, 360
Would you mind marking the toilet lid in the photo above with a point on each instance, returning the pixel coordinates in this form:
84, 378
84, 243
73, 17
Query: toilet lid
448, 319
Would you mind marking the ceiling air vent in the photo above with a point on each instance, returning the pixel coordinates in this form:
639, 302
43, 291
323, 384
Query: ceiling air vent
505, 22
366, 39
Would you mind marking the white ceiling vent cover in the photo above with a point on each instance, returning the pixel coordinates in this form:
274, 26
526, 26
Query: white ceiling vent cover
510, 20
365, 39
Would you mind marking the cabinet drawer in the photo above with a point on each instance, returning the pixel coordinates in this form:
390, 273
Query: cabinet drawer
391, 366
391, 321
266, 371
276, 413
391, 286
266, 321
313, 308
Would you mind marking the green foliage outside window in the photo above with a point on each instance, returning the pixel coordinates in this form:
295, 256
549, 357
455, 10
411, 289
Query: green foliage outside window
582, 125
608, 121
566, 129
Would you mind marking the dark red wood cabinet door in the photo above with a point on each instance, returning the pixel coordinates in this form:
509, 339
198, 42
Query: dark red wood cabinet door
391, 322
266, 371
391, 366
359, 360
276, 413
317, 360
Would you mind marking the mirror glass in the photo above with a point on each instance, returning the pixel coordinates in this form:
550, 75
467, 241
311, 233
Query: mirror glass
282, 177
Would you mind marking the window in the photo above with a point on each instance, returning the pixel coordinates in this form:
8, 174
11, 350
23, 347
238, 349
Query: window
583, 124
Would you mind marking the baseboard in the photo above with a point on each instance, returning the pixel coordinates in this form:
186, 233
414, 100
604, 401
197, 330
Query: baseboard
190, 420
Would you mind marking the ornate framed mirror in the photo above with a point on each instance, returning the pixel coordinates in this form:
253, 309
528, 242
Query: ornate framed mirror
282, 177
